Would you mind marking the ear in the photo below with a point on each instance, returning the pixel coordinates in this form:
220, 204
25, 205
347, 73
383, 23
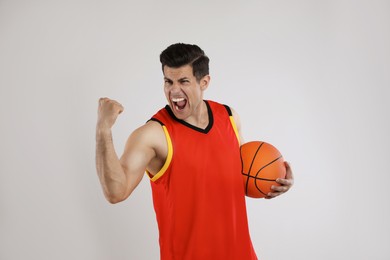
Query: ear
204, 82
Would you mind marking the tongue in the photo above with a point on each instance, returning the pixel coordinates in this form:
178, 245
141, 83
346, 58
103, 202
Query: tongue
181, 104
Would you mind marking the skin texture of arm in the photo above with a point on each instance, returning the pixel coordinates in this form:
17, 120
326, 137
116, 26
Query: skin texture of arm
144, 149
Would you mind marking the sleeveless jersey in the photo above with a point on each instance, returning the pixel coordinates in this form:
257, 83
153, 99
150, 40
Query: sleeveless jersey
198, 195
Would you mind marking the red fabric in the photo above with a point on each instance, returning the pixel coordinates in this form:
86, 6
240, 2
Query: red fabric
199, 201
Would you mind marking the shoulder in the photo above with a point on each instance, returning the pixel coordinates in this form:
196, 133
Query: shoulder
162, 116
219, 107
234, 113
151, 139
224, 107
150, 132
146, 141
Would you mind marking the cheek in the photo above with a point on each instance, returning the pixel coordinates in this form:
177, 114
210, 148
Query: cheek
193, 90
197, 92
166, 92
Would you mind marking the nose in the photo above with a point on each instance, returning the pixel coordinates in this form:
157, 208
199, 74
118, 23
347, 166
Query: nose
175, 87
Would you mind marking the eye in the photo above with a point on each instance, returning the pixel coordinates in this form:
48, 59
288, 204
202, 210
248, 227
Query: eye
184, 81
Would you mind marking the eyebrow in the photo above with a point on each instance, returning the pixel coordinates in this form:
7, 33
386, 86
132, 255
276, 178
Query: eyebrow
181, 79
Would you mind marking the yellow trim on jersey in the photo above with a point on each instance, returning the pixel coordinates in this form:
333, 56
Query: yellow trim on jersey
235, 128
169, 157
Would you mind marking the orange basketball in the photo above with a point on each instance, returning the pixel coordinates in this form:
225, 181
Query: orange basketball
262, 164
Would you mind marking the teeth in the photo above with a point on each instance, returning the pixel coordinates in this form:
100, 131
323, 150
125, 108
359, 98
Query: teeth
178, 99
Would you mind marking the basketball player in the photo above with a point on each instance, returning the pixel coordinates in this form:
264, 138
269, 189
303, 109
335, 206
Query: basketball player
190, 151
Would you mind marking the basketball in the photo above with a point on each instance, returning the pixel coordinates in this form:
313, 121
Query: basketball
262, 164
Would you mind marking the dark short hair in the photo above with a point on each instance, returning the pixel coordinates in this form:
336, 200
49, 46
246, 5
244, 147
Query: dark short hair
180, 54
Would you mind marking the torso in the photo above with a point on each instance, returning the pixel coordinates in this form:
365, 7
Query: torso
198, 194
160, 143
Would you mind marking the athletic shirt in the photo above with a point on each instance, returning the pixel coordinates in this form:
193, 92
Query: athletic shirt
198, 195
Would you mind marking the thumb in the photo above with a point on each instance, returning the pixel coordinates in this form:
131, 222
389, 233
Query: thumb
289, 173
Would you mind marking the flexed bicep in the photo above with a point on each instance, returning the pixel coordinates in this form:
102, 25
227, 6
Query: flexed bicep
144, 150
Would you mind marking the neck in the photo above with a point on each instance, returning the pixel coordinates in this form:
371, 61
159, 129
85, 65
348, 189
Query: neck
200, 118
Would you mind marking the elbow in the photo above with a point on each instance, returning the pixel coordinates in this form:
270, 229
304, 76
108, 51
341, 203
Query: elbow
114, 198
114, 192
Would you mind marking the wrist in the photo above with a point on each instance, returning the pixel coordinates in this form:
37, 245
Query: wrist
103, 133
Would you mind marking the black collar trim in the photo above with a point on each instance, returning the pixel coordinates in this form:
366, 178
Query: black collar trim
205, 131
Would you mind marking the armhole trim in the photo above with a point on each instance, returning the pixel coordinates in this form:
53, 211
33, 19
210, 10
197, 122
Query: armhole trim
167, 161
235, 128
233, 122
228, 110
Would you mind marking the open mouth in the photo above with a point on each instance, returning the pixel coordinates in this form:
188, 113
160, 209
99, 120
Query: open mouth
179, 103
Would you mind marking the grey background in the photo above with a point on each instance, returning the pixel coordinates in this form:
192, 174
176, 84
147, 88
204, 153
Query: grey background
310, 77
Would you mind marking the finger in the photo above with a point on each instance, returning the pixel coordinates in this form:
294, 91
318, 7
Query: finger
121, 108
112, 103
282, 189
271, 195
100, 104
285, 182
289, 178
276, 191
116, 105
103, 100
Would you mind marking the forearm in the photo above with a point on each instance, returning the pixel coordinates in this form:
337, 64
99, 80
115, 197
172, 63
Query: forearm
111, 174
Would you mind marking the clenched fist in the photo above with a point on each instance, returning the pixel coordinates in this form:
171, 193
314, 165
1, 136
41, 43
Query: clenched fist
108, 112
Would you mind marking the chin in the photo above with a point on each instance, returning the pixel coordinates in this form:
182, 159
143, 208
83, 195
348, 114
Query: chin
182, 115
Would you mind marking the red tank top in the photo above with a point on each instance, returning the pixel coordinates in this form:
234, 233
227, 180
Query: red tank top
198, 194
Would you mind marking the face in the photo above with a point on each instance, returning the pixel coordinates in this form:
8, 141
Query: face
183, 92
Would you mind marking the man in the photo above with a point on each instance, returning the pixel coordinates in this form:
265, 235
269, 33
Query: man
190, 151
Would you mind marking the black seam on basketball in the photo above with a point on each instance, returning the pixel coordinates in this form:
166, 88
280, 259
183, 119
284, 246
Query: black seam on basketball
257, 178
250, 168
260, 179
